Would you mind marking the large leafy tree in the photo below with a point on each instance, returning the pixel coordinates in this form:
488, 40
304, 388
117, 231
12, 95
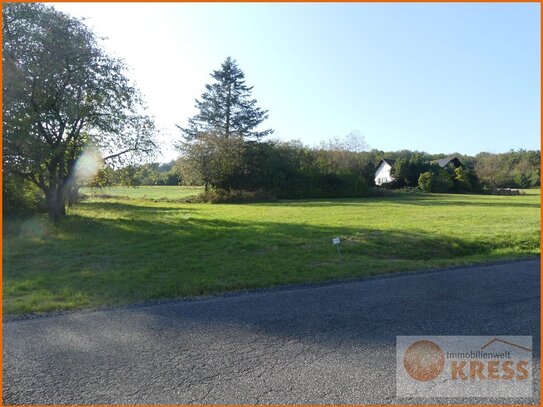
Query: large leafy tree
211, 160
63, 95
226, 108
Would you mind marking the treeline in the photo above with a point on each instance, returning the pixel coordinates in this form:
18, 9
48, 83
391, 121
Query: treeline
514, 169
283, 169
293, 170
488, 171
137, 175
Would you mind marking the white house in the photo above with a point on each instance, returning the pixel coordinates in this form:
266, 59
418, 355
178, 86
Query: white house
382, 175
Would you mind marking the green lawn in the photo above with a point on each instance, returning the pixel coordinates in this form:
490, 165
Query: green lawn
114, 251
145, 192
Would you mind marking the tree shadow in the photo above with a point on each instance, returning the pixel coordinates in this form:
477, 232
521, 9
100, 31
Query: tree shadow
140, 208
393, 244
411, 199
132, 257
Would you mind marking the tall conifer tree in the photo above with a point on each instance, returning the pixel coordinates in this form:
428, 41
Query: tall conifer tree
226, 108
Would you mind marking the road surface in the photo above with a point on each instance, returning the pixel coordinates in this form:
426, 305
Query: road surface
321, 344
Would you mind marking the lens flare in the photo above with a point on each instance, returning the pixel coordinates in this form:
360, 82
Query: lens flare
87, 165
33, 228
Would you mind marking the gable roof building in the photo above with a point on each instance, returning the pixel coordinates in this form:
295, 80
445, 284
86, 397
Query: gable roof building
389, 161
445, 162
382, 175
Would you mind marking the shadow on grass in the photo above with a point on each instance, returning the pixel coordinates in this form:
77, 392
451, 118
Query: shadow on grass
140, 208
111, 233
398, 198
256, 237
150, 251
136, 256
411, 199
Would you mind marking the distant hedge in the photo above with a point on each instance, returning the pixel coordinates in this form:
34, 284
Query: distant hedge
293, 171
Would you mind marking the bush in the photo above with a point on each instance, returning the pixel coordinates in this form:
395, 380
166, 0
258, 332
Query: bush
380, 191
394, 184
506, 191
406, 171
462, 181
439, 181
426, 181
217, 196
409, 190
20, 197
442, 181
293, 171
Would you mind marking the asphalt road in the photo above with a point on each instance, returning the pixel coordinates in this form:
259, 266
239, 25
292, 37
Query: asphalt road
326, 344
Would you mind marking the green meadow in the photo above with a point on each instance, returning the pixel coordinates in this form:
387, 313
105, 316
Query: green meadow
145, 192
134, 244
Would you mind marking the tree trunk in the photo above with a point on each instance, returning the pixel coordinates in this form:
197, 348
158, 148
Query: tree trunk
228, 106
206, 186
73, 195
56, 203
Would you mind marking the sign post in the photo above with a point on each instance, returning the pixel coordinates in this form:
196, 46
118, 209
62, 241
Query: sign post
336, 242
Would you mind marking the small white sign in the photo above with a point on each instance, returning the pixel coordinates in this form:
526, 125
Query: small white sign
335, 240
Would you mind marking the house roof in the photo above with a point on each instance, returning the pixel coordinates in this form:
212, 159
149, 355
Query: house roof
443, 162
389, 161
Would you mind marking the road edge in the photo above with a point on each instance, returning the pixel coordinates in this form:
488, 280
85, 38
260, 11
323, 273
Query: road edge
252, 291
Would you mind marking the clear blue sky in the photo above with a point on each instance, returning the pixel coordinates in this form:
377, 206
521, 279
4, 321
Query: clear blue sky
432, 77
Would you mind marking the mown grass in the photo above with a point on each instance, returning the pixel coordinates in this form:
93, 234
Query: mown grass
115, 251
144, 192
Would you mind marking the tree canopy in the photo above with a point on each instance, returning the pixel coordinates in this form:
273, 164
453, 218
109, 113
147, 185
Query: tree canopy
62, 94
226, 108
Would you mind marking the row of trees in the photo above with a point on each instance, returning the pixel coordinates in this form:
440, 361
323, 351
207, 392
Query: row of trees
514, 169
273, 165
285, 169
137, 175
484, 171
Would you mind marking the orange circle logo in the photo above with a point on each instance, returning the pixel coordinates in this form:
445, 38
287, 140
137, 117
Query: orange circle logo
423, 360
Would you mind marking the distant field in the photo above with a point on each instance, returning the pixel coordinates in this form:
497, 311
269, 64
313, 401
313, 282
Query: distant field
116, 251
150, 192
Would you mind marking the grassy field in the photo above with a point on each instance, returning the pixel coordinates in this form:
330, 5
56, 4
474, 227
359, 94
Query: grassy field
146, 192
114, 251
